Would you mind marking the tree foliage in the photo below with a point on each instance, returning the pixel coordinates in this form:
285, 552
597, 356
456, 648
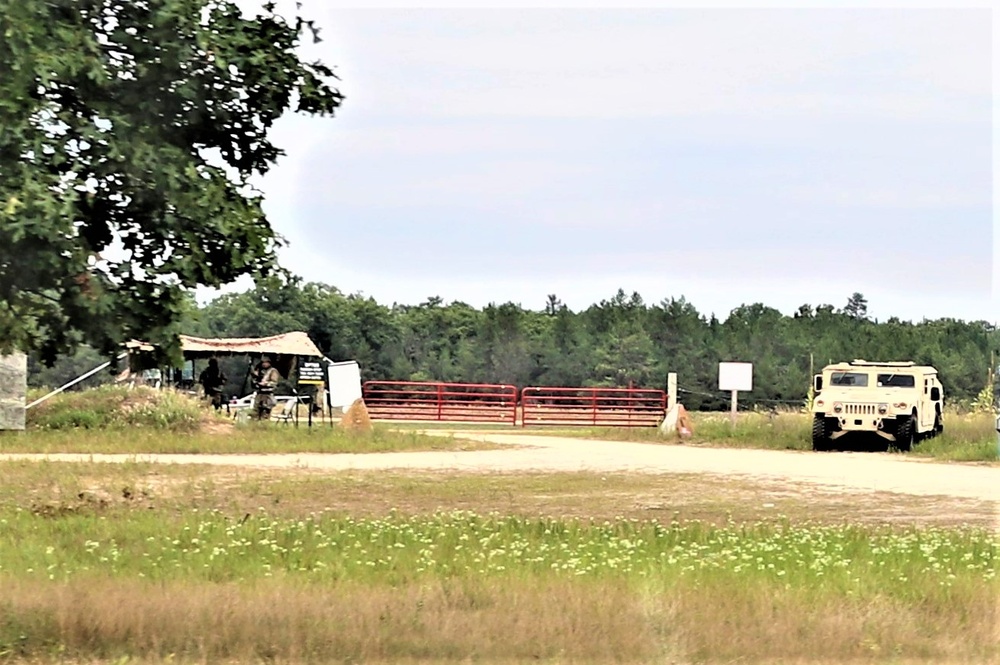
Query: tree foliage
130, 133
617, 342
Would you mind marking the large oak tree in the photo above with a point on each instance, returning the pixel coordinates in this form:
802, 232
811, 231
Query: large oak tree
130, 133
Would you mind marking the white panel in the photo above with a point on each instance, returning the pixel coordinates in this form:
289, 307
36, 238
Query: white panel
344, 384
736, 376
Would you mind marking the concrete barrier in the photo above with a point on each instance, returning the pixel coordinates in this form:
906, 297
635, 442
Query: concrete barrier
13, 389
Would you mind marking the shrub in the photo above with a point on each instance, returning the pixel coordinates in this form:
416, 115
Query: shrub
116, 407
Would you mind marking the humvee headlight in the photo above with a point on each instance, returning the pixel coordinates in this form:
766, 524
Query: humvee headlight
837, 407
883, 409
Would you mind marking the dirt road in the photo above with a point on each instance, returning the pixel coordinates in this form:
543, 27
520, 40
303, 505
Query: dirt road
861, 472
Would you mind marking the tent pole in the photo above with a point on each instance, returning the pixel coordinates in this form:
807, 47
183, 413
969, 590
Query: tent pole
295, 391
246, 379
72, 383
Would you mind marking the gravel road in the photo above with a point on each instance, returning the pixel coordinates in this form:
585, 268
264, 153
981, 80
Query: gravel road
859, 472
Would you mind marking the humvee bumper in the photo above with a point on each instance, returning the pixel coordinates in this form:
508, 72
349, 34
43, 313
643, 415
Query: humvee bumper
884, 427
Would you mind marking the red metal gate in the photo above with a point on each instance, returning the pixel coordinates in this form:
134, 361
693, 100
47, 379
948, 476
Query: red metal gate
597, 407
433, 401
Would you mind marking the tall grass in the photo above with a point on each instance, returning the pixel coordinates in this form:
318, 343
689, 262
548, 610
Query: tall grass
213, 546
275, 621
457, 585
967, 436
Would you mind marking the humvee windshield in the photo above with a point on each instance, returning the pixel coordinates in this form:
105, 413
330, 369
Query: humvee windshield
896, 381
859, 379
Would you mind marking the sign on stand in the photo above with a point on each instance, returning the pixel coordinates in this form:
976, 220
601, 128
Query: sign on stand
311, 373
733, 378
344, 384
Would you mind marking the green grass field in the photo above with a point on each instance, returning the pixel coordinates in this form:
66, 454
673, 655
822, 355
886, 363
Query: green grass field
145, 563
152, 563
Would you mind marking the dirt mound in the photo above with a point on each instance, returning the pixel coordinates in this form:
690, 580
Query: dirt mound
217, 426
90, 501
356, 418
684, 426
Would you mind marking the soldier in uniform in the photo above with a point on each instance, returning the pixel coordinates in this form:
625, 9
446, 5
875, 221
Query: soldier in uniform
213, 380
266, 379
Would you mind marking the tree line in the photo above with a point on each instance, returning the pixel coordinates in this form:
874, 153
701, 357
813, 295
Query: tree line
619, 341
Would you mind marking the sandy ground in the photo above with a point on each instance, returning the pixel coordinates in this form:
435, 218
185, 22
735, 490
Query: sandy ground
858, 472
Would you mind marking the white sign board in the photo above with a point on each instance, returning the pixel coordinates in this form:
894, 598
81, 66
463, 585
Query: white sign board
344, 384
736, 376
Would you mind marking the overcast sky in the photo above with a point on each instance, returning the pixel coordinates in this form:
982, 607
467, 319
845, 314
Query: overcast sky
730, 156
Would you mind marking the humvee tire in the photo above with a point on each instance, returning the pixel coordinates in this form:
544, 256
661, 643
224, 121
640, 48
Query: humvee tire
820, 436
938, 424
905, 434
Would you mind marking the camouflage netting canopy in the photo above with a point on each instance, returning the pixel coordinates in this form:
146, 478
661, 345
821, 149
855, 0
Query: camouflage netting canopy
283, 349
288, 344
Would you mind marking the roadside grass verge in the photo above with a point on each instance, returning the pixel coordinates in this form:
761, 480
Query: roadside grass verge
460, 586
115, 419
251, 438
967, 437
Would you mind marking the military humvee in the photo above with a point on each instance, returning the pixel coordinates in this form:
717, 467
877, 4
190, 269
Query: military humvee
899, 401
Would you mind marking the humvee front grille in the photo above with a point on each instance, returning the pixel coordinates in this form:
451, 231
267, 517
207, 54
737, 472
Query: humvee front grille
859, 409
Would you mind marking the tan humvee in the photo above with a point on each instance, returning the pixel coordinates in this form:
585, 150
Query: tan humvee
900, 401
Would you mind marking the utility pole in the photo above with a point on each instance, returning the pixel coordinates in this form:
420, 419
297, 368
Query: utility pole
993, 387
993, 368
990, 380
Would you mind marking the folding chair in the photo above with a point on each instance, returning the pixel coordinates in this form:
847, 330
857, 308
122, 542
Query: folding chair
284, 410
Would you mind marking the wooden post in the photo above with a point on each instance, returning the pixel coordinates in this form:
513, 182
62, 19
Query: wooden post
310, 405
732, 408
990, 379
671, 390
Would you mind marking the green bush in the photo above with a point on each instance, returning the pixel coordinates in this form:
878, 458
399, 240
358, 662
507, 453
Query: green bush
115, 407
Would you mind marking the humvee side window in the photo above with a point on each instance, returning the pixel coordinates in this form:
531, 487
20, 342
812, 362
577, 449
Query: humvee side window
896, 381
859, 379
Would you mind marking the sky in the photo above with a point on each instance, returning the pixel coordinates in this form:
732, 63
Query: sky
729, 156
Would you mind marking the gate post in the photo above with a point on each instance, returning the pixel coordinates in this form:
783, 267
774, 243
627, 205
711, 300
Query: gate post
670, 416
513, 421
13, 391
671, 390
